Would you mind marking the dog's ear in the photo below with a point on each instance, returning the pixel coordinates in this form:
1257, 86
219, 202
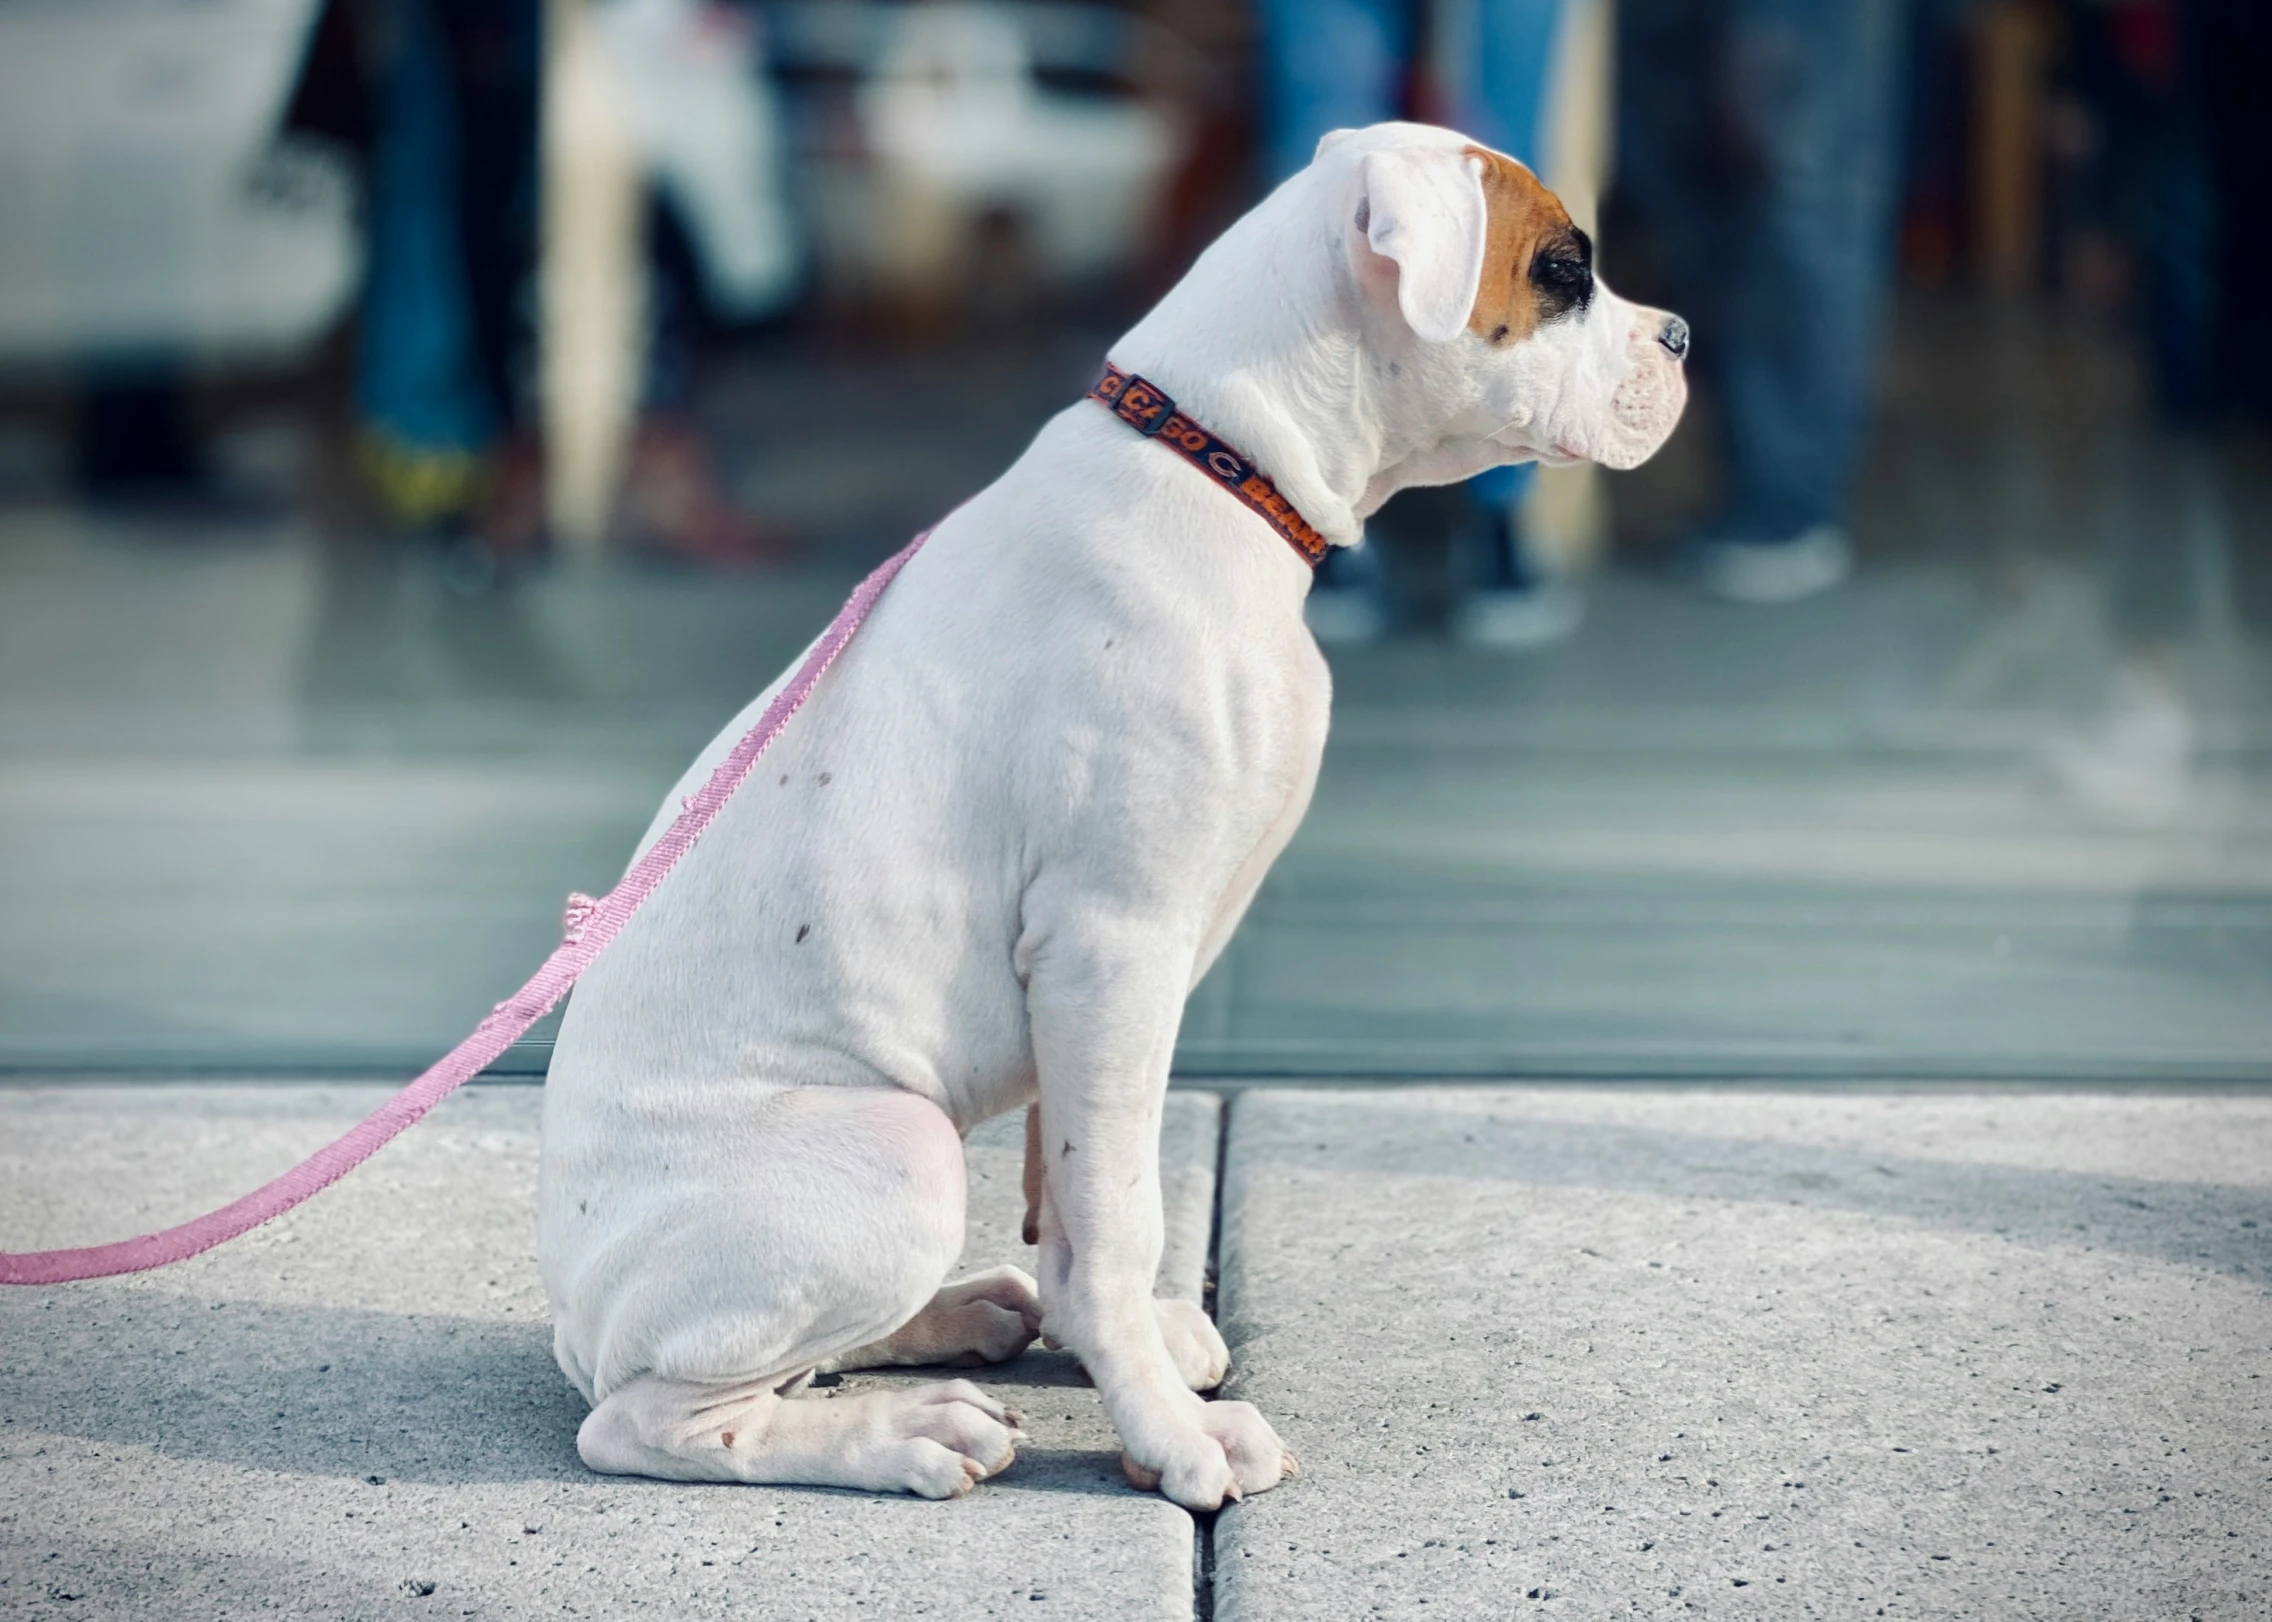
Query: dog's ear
1423, 208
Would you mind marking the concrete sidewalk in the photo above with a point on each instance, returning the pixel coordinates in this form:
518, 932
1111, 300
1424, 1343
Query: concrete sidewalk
1589, 1351
354, 1411
1622, 1352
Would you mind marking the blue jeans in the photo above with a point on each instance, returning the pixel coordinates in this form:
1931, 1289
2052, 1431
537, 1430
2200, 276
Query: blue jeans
417, 377
1758, 138
1339, 64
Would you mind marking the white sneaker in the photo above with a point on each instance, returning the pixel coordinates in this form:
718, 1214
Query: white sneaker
1346, 614
1772, 571
1514, 621
2137, 768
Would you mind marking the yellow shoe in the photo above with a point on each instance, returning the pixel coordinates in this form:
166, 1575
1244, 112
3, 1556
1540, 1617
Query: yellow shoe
420, 485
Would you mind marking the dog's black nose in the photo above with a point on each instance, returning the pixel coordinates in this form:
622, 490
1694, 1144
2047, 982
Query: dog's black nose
1674, 336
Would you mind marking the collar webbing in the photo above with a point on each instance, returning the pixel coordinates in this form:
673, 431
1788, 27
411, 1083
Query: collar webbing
1146, 408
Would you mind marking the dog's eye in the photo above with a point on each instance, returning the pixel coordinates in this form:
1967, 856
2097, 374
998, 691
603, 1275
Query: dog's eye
1565, 282
1563, 272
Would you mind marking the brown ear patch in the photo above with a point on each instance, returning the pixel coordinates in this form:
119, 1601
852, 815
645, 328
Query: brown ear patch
1519, 216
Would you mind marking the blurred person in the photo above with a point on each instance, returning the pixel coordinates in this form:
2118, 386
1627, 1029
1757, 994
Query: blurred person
1757, 140
664, 208
1343, 64
442, 97
449, 199
2179, 173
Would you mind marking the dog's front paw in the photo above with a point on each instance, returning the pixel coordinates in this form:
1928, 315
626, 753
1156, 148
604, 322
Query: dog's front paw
1194, 1342
1233, 1452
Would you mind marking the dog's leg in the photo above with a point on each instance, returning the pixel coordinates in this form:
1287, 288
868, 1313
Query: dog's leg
937, 1441
1193, 1342
1104, 1007
829, 1226
989, 1317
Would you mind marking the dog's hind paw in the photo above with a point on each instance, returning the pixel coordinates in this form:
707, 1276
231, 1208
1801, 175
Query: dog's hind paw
942, 1440
989, 1317
937, 1441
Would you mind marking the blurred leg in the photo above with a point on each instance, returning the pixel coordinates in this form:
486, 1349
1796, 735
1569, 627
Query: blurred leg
1504, 95
1501, 100
495, 52
1758, 139
1328, 65
1503, 564
2234, 48
1809, 95
2234, 53
1674, 166
417, 386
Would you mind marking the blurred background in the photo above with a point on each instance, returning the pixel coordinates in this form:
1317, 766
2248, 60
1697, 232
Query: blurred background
423, 424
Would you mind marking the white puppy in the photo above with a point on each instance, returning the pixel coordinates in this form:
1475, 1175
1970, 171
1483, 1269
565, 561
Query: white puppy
1007, 835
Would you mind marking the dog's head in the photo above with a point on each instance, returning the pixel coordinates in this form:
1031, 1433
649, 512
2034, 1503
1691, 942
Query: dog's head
1489, 333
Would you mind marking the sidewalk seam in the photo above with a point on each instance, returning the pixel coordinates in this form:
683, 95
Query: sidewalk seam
1203, 1522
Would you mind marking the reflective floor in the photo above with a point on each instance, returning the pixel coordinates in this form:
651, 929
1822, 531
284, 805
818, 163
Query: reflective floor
274, 796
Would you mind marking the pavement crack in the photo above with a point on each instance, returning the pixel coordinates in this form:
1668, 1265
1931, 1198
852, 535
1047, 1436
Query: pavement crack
1203, 1523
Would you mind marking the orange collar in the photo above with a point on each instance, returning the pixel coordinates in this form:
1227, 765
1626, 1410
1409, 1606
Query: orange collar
1146, 408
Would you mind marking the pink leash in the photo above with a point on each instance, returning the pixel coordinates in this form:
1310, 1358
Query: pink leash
590, 926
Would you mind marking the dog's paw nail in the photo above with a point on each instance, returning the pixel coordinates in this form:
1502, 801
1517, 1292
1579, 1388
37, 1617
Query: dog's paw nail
1231, 1493
1012, 1418
1289, 1466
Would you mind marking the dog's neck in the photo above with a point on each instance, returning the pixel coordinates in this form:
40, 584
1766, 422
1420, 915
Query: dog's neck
1264, 342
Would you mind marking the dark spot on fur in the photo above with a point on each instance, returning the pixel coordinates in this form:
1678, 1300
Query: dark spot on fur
784, 779
1498, 332
1068, 1149
583, 1206
725, 1438
802, 931
824, 779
